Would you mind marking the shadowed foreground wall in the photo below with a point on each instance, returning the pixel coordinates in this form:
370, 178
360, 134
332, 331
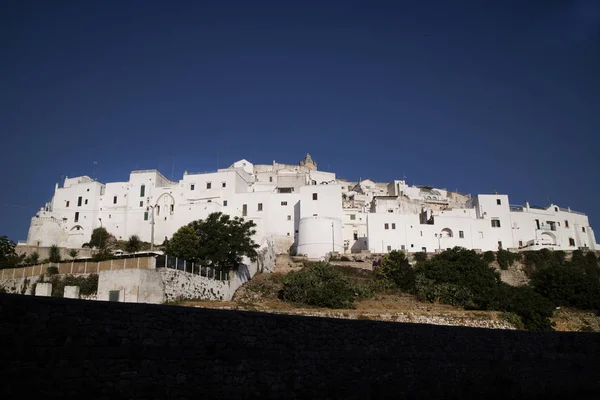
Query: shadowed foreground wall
61, 348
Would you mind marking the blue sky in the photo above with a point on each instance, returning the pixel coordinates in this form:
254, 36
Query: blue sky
470, 95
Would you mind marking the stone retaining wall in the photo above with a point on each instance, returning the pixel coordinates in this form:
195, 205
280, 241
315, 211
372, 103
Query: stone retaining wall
63, 348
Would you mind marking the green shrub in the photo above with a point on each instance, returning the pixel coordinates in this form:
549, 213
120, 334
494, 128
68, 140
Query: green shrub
52, 270
512, 319
87, 285
534, 309
396, 268
420, 256
568, 285
54, 254
443, 292
344, 258
489, 257
506, 258
102, 255
319, 285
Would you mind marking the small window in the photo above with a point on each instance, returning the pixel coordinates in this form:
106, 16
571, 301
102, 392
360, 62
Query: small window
109, 216
389, 248
208, 185
142, 203
583, 229
67, 203
566, 223
352, 217
146, 216
393, 225
157, 210
289, 217
421, 233
386, 226
85, 201
412, 245
495, 223
315, 196
355, 235
390, 210
244, 210
424, 249
270, 179
520, 243
461, 234
259, 206
284, 203
209, 201
403, 247
142, 190
498, 202
537, 223
173, 208
556, 209
115, 200
223, 184
192, 187
499, 245
77, 217
113, 295
571, 242
79, 199
224, 203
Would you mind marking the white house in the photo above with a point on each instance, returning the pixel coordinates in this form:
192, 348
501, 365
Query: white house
296, 205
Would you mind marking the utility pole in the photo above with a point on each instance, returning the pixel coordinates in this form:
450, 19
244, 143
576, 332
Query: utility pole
332, 239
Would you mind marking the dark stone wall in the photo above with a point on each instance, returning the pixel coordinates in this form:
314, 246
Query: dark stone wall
62, 348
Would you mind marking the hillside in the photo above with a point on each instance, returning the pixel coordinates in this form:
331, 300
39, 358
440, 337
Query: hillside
262, 294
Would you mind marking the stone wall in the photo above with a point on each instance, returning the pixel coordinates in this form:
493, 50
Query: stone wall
179, 285
63, 348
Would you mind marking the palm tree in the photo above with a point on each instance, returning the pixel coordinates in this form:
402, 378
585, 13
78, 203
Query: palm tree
134, 244
54, 254
73, 254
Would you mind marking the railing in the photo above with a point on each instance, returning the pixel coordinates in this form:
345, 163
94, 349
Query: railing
570, 211
166, 261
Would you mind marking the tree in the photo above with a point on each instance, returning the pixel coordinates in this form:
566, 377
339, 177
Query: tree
54, 254
101, 239
218, 241
8, 256
73, 254
396, 268
133, 244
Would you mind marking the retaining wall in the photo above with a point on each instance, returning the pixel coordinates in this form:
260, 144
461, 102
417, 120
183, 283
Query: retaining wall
63, 348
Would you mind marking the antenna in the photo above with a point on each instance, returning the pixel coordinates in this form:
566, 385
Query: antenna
173, 169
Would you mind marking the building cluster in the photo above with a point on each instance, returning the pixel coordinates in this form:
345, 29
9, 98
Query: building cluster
299, 208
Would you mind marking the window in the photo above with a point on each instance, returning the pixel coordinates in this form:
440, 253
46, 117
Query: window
284, 203
209, 201
77, 217
79, 201
85, 201
352, 217
192, 187
115, 200
259, 206
390, 210
583, 229
208, 185
552, 225
109, 216
520, 243
393, 225
498, 202
223, 184
67, 203
173, 208
556, 209
146, 216
386, 226
495, 223
389, 248
113, 295
270, 179
421, 233
571, 242
142, 190
412, 245
424, 249
566, 223
403, 247
537, 223
315, 196
244, 210
289, 217
224, 203
499, 245
355, 235
142, 203
157, 210
461, 234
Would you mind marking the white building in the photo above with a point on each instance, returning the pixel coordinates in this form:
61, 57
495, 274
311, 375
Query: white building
299, 206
